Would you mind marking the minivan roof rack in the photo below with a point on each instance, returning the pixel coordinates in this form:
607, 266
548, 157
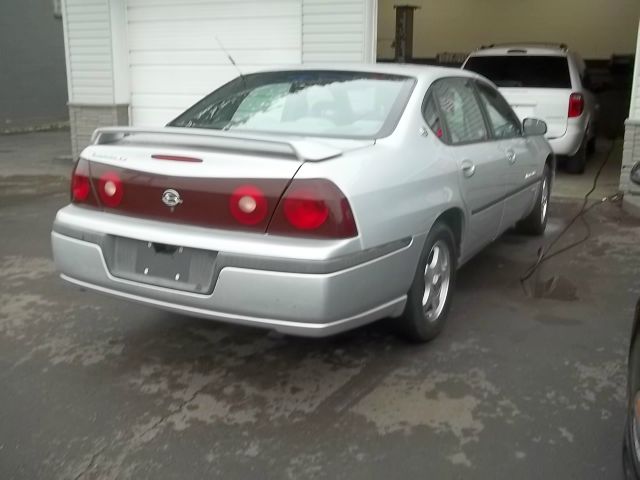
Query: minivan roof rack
562, 46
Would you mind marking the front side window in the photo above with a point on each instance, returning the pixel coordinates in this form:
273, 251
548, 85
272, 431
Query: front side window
460, 110
504, 123
307, 102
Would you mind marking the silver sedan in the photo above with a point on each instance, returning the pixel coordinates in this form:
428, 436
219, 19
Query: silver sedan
309, 201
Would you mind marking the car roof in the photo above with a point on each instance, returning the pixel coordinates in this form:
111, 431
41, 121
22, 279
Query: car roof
421, 72
559, 50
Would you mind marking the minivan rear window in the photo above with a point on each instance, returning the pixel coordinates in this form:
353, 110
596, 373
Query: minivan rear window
530, 71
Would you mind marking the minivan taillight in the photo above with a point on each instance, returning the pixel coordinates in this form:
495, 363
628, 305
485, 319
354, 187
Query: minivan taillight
313, 208
81, 189
576, 105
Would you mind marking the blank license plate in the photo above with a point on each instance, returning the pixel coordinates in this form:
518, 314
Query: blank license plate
170, 266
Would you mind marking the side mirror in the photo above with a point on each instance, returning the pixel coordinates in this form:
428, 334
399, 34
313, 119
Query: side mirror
533, 127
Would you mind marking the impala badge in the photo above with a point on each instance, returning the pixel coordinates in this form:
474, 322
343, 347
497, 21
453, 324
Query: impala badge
171, 198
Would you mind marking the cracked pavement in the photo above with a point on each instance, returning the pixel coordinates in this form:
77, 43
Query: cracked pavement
93, 387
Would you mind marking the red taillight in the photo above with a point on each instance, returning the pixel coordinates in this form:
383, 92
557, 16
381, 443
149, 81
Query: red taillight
304, 209
248, 205
314, 208
80, 182
576, 105
110, 189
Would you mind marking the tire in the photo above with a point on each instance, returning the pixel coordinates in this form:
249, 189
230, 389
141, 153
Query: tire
536, 222
425, 314
591, 145
628, 465
577, 163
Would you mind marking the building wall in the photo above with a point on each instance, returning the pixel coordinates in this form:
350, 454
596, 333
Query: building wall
32, 64
631, 150
594, 28
338, 31
84, 119
90, 57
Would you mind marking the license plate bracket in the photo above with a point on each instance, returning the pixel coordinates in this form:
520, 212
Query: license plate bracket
163, 265
158, 260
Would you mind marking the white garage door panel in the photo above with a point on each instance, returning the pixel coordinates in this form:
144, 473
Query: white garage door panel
151, 100
150, 116
175, 59
350, 38
333, 57
334, 31
212, 57
181, 80
340, 9
233, 10
198, 35
194, 3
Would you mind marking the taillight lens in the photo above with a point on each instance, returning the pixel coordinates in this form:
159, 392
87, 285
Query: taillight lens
248, 205
81, 184
110, 189
313, 208
576, 105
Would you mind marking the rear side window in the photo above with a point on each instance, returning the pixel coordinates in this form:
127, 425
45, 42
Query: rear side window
432, 116
460, 110
529, 71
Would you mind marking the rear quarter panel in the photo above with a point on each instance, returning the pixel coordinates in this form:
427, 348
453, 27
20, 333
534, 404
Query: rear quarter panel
398, 187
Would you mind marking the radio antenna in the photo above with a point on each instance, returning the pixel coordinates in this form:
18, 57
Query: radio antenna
233, 62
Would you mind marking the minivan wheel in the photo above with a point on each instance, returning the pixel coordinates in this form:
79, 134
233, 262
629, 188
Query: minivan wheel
536, 222
429, 298
578, 162
592, 145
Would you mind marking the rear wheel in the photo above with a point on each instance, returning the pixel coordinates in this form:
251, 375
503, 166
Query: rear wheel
631, 445
628, 463
536, 222
577, 163
429, 298
591, 146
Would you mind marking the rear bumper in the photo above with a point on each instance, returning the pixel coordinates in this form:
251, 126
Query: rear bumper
570, 142
296, 296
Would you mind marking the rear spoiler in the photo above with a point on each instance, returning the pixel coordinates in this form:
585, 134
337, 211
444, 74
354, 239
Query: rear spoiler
300, 149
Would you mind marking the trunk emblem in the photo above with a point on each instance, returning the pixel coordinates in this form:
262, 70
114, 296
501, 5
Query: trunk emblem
171, 198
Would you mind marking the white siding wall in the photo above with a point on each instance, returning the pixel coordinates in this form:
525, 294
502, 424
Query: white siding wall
87, 32
338, 30
175, 58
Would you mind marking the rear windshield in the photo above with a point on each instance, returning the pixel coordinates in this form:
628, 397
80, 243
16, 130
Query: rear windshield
530, 71
315, 103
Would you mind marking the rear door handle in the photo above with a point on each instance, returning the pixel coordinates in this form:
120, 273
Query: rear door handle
511, 156
468, 168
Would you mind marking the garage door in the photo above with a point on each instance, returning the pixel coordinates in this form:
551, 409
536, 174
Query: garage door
175, 58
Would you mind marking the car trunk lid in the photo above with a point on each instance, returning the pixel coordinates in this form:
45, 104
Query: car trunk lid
200, 179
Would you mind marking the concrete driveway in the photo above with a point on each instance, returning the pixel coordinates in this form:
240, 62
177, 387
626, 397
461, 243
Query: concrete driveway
516, 387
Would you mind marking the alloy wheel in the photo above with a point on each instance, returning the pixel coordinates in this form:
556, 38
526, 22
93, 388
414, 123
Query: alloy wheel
437, 275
